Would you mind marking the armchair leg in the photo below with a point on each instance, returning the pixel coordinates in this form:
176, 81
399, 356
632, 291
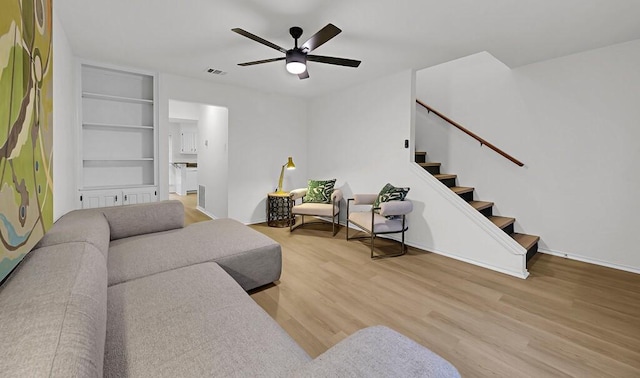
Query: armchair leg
373, 238
333, 225
292, 222
403, 250
333, 220
403, 247
348, 219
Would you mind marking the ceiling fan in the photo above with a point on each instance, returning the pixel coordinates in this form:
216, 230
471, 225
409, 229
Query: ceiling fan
297, 57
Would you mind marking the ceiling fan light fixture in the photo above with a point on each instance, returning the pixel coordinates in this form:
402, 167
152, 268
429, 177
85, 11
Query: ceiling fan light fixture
296, 61
297, 57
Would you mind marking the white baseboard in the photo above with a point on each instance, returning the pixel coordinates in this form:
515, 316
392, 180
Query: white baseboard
205, 212
589, 260
522, 275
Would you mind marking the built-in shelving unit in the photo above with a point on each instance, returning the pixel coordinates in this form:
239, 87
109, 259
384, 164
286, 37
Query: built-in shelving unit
118, 136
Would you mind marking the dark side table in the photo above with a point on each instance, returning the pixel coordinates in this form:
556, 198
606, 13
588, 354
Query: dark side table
279, 209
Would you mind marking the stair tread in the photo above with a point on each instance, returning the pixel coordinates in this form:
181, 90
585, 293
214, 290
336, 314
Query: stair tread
444, 176
501, 222
525, 240
420, 153
480, 205
429, 164
461, 189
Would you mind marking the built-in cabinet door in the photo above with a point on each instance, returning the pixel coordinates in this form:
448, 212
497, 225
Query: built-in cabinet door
100, 198
189, 142
134, 196
116, 197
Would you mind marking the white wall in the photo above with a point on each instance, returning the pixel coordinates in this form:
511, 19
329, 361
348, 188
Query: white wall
213, 158
573, 121
64, 129
264, 129
357, 136
184, 110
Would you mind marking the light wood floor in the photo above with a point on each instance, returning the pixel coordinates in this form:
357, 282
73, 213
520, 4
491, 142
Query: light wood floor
567, 319
191, 214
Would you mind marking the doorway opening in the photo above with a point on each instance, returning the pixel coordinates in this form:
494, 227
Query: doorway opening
198, 156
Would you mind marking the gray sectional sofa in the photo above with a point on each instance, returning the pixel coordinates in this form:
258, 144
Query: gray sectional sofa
131, 292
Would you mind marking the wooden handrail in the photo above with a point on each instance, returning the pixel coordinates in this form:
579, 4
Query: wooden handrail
471, 134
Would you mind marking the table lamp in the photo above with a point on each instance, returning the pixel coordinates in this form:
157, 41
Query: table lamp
288, 165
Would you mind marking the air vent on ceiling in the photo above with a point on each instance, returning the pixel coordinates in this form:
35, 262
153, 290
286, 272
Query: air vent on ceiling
214, 71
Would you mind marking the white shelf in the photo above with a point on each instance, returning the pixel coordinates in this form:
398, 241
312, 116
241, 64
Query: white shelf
115, 126
100, 96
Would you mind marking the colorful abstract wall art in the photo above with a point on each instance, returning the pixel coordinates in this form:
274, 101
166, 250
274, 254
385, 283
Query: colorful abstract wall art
26, 127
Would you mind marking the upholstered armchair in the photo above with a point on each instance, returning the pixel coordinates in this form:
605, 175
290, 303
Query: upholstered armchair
329, 210
387, 218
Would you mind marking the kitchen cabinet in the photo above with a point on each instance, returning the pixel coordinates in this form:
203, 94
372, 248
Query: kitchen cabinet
186, 178
189, 142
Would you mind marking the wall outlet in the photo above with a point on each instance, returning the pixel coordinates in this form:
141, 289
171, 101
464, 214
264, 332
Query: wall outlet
406, 143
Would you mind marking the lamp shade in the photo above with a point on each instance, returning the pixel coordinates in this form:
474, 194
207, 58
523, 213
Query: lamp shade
290, 164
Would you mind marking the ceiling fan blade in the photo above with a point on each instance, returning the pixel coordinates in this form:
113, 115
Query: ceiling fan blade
320, 37
258, 39
333, 60
261, 61
304, 75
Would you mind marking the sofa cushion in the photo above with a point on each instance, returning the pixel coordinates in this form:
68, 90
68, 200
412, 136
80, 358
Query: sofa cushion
378, 352
131, 220
250, 257
53, 318
193, 322
89, 226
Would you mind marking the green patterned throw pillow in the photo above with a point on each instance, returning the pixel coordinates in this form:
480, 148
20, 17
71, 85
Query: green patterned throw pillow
390, 193
319, 191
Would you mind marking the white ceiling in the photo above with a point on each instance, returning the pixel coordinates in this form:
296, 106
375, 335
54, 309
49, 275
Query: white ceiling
185, 37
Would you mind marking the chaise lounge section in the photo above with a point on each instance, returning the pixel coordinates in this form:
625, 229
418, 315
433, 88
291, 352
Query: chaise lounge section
130, 291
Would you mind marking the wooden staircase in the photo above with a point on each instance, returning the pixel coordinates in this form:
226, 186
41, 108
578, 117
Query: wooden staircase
529, 242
